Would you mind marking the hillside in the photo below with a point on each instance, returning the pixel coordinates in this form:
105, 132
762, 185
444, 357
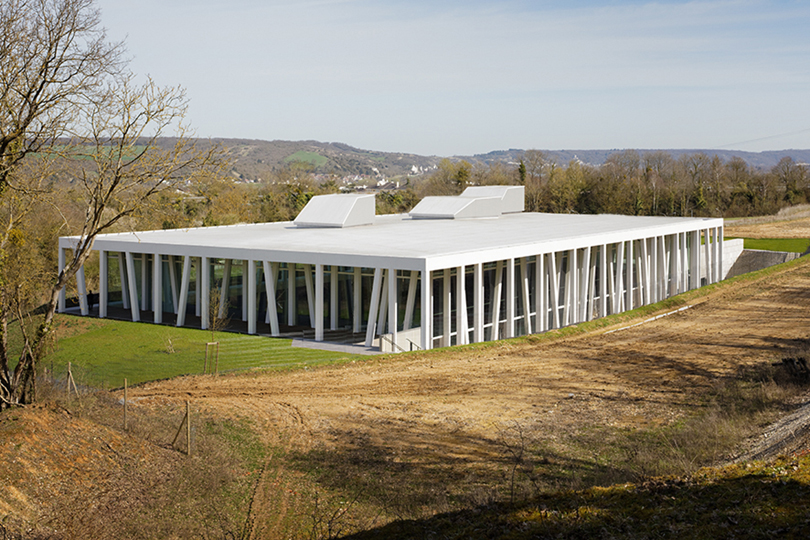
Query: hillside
254, 160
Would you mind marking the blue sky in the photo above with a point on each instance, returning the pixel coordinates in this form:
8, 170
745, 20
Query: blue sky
456, 78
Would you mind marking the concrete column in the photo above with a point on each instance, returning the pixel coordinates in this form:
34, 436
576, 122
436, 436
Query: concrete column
382, 314
478, 303
357, 300
204, 276
630, 277
524, 286
333, 297
132, 285
496, 301
372, 310
447, 307
585, 285
393, 306
541, 294
319, 302
82, 290
173, 283
196, 264
462, 333
225, 289
554, 288
603, 265
292, 301
252, 311
310, 294
426, 311
60, 303
720, 275
184, 286
122, 270
270, 279
412, 282
157, 289
103, 283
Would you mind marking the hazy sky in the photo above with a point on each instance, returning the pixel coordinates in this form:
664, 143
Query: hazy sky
463, 77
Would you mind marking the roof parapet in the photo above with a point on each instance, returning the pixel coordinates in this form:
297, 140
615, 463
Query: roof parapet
337, 211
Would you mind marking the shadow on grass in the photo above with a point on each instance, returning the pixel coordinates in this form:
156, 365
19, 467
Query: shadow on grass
759, 501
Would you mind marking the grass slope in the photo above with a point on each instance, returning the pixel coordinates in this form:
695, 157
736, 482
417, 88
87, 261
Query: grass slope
752, 500
104, 352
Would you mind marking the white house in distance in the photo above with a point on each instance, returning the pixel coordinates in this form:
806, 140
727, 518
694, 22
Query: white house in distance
455, 270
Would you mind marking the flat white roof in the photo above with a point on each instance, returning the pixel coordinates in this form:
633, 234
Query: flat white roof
398, 241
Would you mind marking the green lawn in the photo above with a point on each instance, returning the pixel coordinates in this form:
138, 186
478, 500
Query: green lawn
795, 245
105, 352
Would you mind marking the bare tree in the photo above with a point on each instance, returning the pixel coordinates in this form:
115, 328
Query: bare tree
72, 113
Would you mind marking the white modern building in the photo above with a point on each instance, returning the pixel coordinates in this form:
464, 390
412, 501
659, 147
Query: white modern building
455, 270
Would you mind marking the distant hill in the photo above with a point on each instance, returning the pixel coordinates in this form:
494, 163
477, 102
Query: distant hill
256, 159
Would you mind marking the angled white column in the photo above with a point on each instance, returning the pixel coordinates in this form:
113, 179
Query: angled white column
630, 277
372, 308
133, 290
540, 298
524, 286
684, 266
122, 270
382, 314
252, 310
662, 268
310, 294
694, 273
644, 277
426, 311
157, 289
333, 297
554, 264
103, 283
720, 276
144, 282
225, 288
585, 285
570, 286
447, 307
173, 281
292, 303
653, 269
393, 307
411, 302
270, 279
591, 303
708, 255
60, 304
318, 302
478, 303
244, 285
462, 328
184, 286
82, 289
603, 265
620, 281
496, 301
357, 300
510, 298
197, 286
205, 291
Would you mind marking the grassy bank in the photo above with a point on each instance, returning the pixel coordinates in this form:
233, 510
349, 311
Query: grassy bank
104, 352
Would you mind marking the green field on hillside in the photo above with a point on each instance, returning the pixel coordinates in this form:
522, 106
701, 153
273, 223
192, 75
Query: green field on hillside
794, 245
104, 352
314, 159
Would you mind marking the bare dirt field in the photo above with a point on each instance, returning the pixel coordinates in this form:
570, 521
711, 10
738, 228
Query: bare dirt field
439, 421
789, 223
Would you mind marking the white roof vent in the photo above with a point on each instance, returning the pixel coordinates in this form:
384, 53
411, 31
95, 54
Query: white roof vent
456, 208
512, 196
337, 211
